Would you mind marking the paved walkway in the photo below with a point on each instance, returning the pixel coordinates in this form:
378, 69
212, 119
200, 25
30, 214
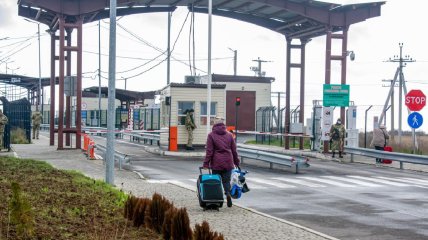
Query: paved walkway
235, 223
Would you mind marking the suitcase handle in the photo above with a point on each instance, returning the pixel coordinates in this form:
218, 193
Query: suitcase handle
200, 170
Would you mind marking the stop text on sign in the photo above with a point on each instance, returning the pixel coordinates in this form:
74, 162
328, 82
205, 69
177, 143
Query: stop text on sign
415, 100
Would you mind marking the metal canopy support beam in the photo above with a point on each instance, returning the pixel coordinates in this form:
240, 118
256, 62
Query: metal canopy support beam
63, 27
301, 66
343, 69
79, 84
302, 87
342, 58
61, 83
287, 94
52, 87
327, 71
68, 98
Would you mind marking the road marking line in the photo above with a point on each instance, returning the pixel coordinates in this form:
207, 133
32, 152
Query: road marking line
299, 181
269, 182
406, 180
420, 181
328, 182
366, 184
380, 181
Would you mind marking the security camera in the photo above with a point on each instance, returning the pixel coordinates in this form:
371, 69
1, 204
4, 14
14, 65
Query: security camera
352, 56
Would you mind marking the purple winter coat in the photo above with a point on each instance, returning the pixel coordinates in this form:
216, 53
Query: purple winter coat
221, 149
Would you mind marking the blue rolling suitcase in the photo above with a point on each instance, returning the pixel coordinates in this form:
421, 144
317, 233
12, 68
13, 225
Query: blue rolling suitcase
210, 190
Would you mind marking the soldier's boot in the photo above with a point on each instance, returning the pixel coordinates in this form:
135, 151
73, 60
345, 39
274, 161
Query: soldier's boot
333, 154
340, 154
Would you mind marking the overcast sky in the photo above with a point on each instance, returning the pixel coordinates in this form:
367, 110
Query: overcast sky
142, 38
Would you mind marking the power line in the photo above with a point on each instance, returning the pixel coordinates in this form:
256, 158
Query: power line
17, 51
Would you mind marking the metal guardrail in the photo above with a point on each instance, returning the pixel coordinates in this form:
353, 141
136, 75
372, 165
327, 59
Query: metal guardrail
144, 136
274, 158
394, 156
120, 157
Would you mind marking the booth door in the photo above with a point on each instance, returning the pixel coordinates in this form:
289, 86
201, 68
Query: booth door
246, 111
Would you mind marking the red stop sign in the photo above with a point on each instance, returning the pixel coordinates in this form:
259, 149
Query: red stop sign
415, 100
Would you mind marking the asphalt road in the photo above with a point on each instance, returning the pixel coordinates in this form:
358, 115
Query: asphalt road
344, 200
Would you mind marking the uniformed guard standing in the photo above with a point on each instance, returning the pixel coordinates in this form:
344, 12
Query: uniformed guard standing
37, 120
337, 137
3, 122
190, 126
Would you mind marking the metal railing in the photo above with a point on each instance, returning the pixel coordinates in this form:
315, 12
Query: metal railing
394, 156
143, 135
274, 158
121, 158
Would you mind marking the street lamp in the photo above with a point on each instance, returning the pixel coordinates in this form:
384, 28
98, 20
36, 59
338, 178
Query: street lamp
13, 69
6, 62
40, 67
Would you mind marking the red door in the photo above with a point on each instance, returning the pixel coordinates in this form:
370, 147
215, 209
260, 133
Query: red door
246, 111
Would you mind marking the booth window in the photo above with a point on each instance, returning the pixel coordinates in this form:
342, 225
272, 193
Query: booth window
183, 106
204, 112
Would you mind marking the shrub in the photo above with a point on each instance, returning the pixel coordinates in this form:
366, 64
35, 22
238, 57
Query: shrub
130, 205
155, 213
140, 210
203, 232
18, 136
166, 227
21, 214
180, 226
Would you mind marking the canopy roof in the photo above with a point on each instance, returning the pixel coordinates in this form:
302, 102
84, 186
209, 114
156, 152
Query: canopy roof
301, 19
30, 83
121, 94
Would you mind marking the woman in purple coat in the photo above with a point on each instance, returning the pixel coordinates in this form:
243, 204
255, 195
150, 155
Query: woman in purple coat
221, 155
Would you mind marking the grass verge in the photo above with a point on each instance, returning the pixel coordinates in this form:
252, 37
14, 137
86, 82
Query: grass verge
64, 204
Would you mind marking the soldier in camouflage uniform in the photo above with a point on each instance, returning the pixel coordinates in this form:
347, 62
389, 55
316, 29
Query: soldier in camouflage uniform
337, 137
190, 126
37, 120
3, 122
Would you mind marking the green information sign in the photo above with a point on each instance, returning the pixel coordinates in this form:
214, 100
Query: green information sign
335, 95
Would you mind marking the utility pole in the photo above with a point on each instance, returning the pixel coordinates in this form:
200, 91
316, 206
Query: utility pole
392, 106
40, 68
99, 73
258, 70
401, 88
39, 102
111, 95
235, 60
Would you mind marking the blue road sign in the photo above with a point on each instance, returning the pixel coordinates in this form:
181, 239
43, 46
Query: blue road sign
415, 120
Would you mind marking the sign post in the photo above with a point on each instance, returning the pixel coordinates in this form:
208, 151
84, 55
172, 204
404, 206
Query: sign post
415, 100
